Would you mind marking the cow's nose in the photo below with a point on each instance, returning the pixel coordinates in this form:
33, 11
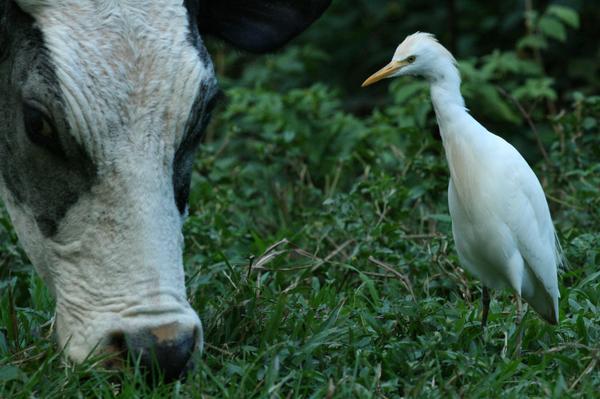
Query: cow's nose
164, 351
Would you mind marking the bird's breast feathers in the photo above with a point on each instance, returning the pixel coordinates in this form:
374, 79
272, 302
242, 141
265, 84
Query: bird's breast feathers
491, 178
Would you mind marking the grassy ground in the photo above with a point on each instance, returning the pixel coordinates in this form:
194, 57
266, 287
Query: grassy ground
326, 268
320, 259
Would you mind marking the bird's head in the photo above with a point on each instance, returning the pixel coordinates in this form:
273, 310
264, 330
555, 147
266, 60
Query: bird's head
419, 54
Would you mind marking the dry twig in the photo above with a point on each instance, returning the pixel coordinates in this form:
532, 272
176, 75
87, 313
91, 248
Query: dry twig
403, 279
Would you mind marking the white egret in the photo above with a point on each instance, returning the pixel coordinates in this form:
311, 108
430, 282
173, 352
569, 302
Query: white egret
500, 218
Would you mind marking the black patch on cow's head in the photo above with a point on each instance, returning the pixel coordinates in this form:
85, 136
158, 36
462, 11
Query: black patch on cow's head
45, 171
184, 157
207, 98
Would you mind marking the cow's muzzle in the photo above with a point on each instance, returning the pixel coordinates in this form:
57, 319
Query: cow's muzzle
162, 353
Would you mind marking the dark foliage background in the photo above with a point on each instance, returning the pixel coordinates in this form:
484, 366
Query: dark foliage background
318, 249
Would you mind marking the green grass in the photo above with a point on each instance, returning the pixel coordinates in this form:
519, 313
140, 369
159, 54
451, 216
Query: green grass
320, 259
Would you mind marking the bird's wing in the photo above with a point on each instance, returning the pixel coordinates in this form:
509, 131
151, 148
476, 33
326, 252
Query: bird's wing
528, 217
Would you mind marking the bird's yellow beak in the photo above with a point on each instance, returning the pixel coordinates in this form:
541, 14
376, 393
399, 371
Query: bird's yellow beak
384, 72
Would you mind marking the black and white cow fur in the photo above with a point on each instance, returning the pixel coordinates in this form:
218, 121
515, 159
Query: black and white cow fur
102, 104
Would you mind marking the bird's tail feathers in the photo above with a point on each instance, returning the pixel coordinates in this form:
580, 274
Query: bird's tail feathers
545, 305
541, 295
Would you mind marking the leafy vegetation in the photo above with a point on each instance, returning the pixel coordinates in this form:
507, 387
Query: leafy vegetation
319, 252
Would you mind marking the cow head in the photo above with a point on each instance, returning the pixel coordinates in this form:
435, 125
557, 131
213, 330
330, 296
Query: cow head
102, 105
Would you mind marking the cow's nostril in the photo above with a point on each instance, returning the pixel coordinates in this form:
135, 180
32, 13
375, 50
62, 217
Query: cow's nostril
116, 342
116, 350
163, 351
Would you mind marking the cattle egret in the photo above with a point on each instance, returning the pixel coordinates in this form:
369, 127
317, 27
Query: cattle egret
500, 219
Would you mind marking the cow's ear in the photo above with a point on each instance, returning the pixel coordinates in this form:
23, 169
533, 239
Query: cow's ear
258, 25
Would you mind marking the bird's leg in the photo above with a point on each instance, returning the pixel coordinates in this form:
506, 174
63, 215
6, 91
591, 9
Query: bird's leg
485, 300
518, 329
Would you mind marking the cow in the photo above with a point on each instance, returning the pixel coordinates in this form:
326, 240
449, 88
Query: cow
102, 106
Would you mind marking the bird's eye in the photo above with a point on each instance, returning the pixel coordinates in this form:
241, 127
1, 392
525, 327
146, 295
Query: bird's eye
40, 129
411, 59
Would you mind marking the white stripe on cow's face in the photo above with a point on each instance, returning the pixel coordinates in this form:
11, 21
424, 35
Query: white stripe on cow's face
129, 79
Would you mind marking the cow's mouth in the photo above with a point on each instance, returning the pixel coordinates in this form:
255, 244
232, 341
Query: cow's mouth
163, 353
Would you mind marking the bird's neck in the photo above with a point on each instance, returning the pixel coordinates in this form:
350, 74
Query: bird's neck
447, 101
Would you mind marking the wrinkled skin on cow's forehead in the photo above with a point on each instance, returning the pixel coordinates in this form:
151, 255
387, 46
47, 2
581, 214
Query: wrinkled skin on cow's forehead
102, 105
101, 216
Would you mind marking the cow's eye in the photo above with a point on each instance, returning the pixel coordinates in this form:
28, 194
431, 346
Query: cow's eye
41, 130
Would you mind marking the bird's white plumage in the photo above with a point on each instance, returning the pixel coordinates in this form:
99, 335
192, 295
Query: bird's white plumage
501, 223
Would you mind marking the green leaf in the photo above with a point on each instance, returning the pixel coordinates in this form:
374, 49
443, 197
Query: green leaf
11, 373
370, 287
488, 98
403, 90
589, 123
536, 89
565, 14
440, 217
553, 28
532, 41
531, 17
